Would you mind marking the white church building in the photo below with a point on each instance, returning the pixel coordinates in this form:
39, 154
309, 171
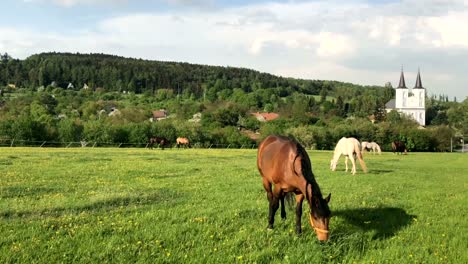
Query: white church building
410, 102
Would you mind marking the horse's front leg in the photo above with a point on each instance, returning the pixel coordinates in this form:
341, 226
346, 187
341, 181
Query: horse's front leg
299, 200
346, 163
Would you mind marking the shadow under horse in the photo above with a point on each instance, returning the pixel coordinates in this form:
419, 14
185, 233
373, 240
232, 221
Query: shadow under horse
384, 221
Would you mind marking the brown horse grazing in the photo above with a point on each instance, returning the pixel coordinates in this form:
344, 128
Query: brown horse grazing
285, 164
399, 146
160, 141
181, 141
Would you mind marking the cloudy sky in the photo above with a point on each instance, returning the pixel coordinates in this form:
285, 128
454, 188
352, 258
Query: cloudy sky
359, 41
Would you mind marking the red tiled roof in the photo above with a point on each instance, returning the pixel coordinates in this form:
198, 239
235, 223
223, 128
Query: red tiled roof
266, 116
159, 114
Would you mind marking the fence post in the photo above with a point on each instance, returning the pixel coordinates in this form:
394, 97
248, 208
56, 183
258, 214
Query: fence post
69, 144
94, 144
43, 144
12, 142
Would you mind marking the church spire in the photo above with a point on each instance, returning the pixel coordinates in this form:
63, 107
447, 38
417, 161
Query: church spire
402, 79
418, 84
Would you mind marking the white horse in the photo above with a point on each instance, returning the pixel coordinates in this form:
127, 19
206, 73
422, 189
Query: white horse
349, 147
370, 145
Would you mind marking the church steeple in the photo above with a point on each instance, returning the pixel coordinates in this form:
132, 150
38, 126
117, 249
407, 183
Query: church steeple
402, 80
418, 84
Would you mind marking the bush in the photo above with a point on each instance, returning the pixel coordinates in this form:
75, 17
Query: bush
303, 135
164, 128
419, 139
441, 138
97, 131
138, 133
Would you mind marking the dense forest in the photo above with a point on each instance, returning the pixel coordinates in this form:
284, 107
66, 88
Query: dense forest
63, 97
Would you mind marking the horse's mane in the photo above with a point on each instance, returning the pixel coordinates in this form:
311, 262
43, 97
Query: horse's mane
306, 167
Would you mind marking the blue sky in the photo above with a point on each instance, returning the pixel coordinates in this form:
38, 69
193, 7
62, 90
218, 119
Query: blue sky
358, 41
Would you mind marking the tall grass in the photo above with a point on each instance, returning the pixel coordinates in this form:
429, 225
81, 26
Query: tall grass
208, 206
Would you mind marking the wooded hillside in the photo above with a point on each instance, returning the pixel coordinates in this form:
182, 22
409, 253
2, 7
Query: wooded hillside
64, 97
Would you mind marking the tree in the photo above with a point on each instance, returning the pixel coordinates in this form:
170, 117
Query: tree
69, 130
340, 107
393, 116
5, 58
323, 94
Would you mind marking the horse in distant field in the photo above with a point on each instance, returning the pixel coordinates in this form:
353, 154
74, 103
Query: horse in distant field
160, 141
284, 163
349, 147
399, 146
181, 141
370, 146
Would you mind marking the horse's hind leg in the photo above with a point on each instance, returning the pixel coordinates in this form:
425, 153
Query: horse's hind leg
353, 161
274, 205
271, 214
283, 210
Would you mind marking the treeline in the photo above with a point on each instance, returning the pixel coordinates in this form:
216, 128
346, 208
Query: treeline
109, 99
114, 73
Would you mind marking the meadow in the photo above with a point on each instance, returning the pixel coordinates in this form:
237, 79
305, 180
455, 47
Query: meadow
110, 205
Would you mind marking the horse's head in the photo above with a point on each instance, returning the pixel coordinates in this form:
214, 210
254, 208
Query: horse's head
333, 165
320, 216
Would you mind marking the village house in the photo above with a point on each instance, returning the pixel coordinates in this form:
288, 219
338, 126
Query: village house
265, 117
159, 115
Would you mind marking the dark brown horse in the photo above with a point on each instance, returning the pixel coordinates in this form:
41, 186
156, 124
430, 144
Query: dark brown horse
399, 146
160, 141
285, 164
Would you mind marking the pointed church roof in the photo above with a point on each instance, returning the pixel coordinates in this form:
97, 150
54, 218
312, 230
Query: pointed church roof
418, 84
402, 80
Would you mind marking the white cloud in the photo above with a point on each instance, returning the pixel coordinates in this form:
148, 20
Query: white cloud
451, 28
71, 3
333, 45
350, 41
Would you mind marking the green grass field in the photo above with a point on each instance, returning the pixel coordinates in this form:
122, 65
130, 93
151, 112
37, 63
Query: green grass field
96, 205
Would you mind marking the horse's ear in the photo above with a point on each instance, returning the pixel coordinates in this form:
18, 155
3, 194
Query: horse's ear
328, 198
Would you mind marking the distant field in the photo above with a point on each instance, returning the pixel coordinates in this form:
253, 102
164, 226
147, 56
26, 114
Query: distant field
94, 205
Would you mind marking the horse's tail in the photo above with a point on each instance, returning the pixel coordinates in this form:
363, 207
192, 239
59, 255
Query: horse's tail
378, 148
359, 156
290, 198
